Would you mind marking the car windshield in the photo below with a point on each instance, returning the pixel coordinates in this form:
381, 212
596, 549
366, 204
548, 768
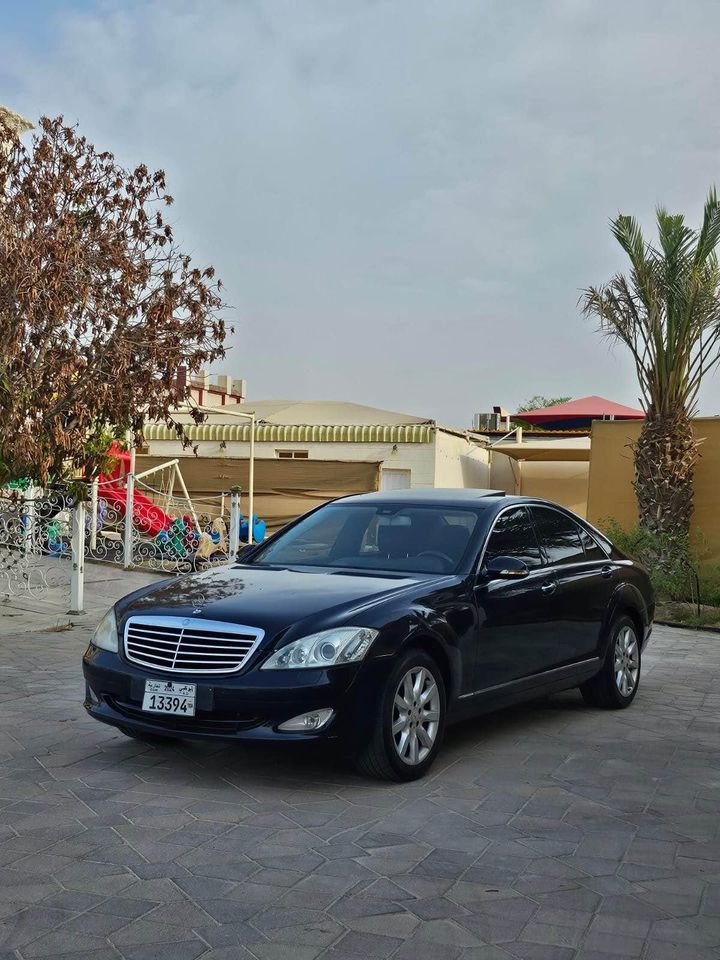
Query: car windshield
407, 538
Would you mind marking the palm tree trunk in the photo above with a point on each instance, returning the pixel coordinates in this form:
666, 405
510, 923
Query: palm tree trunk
665, 457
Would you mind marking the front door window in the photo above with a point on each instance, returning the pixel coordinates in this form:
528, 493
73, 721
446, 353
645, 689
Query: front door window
514, 536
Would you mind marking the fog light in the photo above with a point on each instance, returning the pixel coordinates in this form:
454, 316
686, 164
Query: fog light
91, 696
308, 722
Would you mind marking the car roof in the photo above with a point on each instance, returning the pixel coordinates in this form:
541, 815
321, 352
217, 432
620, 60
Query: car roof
452, 497
464, 496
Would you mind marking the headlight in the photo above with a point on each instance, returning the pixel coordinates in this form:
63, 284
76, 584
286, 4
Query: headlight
106, 635
327, 649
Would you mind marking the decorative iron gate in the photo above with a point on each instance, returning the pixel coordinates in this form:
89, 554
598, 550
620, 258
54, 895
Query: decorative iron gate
47, 535
35, 542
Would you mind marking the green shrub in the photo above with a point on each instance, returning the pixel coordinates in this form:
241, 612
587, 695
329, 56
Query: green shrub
673, 565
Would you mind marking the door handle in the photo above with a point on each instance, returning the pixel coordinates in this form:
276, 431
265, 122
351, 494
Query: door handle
607, 571
548, 588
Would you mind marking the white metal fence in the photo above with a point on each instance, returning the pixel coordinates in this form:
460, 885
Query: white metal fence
46, 536
34, 542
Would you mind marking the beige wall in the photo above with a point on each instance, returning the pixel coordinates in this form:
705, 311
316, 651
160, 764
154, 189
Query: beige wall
565, 482
610, 490
504, 473
460, 462
611, 494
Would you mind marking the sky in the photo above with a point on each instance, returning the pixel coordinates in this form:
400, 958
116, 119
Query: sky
403, 198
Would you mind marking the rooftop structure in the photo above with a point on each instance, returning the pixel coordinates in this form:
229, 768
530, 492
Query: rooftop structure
579, 414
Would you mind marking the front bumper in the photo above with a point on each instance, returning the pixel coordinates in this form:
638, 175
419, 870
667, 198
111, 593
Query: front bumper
246, 706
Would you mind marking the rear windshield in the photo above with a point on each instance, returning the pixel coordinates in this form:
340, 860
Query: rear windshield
392, 537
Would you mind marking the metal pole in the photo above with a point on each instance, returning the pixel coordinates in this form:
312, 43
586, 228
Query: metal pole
247, 416
251, 480
171, 488
160, 466
187, 497
129, 510
234, 536
29, 532
77, 546
93, 514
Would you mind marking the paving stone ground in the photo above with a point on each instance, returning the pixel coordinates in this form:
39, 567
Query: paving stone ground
547, 832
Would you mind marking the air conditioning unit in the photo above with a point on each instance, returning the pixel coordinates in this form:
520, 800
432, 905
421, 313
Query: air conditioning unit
486, 421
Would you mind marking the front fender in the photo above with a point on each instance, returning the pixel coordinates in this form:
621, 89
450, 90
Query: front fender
446, 636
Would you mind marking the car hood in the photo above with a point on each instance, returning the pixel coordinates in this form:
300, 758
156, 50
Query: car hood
272, 599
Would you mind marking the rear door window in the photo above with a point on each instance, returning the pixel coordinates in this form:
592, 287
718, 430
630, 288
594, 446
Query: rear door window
592, 550
559, 536
514, 536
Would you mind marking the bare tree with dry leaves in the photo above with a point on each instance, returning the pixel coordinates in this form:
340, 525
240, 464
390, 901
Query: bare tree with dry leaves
99, 308
667, 313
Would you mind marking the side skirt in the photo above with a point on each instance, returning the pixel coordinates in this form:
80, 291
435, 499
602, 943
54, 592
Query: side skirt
525, 688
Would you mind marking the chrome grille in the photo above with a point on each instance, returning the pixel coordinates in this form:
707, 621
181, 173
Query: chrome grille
188, 645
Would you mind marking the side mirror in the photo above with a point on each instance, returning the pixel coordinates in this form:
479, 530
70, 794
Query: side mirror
505, 568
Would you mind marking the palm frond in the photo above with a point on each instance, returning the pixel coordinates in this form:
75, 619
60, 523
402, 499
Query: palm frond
667, 310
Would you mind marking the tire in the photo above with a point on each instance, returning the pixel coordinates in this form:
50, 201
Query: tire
154, 738
611, 688
392, 756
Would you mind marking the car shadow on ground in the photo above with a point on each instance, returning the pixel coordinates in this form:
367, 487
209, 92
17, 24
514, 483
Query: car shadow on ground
216, 764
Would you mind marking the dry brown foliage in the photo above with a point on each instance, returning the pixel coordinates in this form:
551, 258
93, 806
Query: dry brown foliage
99, 308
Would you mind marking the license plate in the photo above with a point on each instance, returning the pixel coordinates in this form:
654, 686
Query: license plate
161, 696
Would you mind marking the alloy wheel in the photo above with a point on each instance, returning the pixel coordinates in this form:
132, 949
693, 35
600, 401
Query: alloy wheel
627, 661
416, 715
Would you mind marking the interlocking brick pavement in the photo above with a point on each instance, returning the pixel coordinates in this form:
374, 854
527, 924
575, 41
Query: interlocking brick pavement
547, 832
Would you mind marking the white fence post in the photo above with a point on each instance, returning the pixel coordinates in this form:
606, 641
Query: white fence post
77, 545
129, 521
234, 536
93, 514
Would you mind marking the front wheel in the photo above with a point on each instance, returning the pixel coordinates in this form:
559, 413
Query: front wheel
615, 686
410, 724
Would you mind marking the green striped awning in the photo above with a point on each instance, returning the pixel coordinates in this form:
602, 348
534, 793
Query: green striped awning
298, 433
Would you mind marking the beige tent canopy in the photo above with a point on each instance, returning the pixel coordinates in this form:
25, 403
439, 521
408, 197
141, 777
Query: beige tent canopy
284, 489
576, 450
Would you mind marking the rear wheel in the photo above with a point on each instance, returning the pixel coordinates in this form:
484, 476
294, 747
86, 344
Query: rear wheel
410, 724
615, 686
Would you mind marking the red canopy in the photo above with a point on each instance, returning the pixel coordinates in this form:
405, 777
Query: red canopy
585, 408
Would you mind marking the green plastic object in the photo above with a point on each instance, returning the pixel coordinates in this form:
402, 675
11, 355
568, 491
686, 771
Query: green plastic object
24, 483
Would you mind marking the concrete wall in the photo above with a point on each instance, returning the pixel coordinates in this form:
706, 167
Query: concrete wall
565, 482
610, 490
460, 462
504, 473
611, 494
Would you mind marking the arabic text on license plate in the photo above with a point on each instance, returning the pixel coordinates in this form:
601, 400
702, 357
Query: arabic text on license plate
161, 696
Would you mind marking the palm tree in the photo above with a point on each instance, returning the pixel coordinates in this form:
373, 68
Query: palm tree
667, 313
12, 124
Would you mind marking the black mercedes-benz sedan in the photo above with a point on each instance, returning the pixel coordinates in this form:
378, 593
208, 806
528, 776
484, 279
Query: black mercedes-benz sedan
375, 621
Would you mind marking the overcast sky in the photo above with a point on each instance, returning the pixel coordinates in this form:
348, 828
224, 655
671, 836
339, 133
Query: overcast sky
404, 198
